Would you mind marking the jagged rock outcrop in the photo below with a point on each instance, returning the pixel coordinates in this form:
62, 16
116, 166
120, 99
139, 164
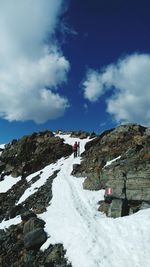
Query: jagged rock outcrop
19, 245
32, 153
129, 176
109, 145
34, 235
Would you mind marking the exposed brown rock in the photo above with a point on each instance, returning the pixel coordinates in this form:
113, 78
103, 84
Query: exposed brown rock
129, 176
32, 153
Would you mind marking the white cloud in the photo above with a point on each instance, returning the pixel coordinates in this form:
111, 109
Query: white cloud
93, 87
31, 69
129, 82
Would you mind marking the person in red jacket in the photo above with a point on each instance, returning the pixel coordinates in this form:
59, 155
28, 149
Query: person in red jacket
75, 148
78, 149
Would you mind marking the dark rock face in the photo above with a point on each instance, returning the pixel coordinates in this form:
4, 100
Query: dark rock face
129, 179
33, 233
129, 176
19, 245
107, 146
25, 216
32, 153
2, 166
35, 238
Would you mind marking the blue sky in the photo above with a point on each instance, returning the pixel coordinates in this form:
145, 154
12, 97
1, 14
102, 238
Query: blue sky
80, 66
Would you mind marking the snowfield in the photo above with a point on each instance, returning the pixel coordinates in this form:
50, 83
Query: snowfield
8, 183
7, 224
2, 147
88, 236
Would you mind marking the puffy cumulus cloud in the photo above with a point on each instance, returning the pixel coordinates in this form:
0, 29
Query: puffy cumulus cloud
93, 87
31, 66
129, 82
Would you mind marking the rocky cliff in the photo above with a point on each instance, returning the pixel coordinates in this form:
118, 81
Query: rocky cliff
19, 244
128, 175
32, 153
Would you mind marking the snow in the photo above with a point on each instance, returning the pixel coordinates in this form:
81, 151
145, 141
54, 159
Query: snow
71, 140
88, 236
8, 223
8, 183
47, 171
111, 161
2, 146
45, 174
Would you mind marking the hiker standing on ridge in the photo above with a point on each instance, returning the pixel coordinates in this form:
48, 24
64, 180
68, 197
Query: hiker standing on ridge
78, 149
75, 148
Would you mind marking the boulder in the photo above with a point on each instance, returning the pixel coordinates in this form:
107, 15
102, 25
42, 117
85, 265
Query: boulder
104, 207
53, 256
34, 235
75, 168
35, 239
27, 215
13, 252
92, 184
32, 224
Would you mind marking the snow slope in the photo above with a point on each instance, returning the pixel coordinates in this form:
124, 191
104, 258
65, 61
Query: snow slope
2, 146
44, 174
89, 237
8, 223
8, 183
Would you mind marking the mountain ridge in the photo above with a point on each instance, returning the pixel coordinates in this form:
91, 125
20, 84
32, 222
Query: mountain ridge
129, 142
